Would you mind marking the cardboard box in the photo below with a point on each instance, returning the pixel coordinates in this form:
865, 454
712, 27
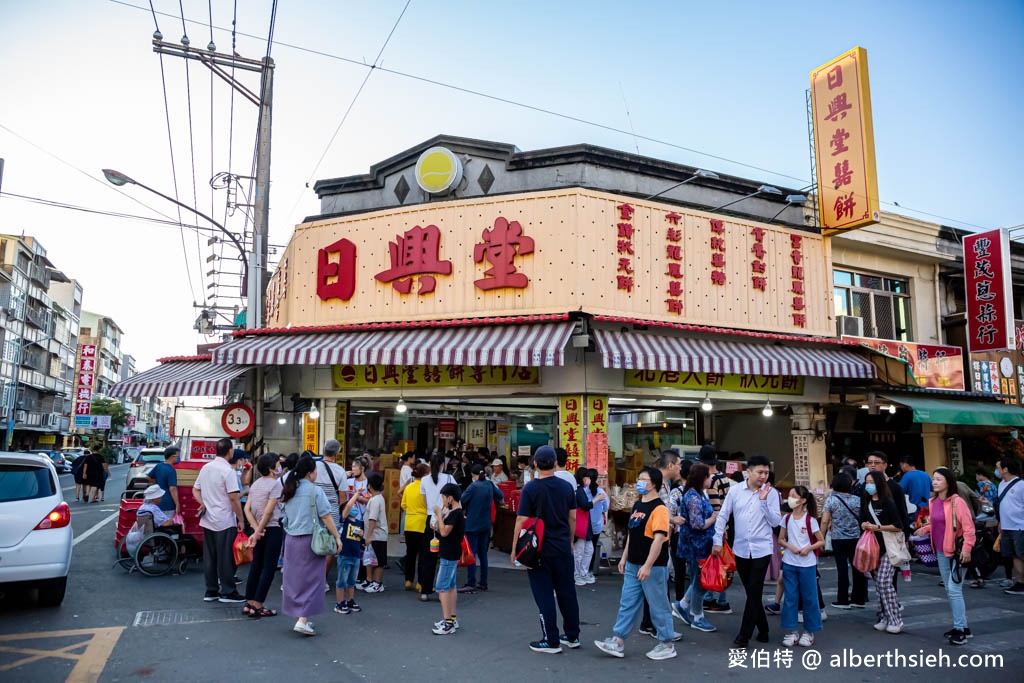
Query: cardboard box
630, 475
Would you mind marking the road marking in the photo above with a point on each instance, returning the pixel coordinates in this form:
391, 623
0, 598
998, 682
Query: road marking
88, 664
94, 528
172, 617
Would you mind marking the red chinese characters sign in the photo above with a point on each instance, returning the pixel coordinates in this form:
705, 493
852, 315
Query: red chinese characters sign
758, 268
674, 256
500, 246
988, 290
717, 243
86, 378
625, 230
570, 429
416, 253
796, 255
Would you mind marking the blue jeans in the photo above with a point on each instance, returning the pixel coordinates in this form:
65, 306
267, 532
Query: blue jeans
348, 571
634, 591
694, 594
446, 575
479, 542
712, 596
801, 584
954, 591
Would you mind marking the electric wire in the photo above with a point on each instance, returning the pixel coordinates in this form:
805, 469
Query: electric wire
192, 142
568, 117
103, 212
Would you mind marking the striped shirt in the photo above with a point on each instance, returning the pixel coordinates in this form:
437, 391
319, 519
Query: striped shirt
716, 493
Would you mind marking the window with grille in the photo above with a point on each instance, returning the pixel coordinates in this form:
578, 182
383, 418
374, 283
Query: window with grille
883, 302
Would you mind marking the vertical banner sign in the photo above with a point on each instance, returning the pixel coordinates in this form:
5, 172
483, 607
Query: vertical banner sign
310, 433
597, 433
844, 142
988, 291
570, 429
341, 427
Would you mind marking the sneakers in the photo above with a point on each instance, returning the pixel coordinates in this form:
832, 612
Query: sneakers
806, 640
957, 637
857, 605
455, 623
211, 596
361, 585
424, 597
702, 624
305, 628
342, 607
824, 615
609, 646
882, 625
648, 631
444, 628
580, 581
716, 607
662, 651
800, 617
681, 612
590, 578
374, 587
773, 608
894, 629
467, 589
1005, 583
571, 644
1015, 589
546, 647
790, 639
354, 606
231, 597
967, 633
481, 586
327, 588
840, 605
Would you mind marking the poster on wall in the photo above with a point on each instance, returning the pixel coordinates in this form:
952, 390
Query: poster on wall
988, 290
341, 426
570, 429
597, 434
310, 433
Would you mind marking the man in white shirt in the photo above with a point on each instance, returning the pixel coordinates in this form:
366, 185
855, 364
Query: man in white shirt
562, 457
217, 492
331, 478
1010, 510
498, 475
754, 508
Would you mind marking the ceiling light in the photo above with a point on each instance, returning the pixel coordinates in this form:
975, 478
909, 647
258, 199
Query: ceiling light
529, 427
618, 399
706, 405
679, 401
314, 413
400, 407
282, 420
892, 410
639, 425
767, 410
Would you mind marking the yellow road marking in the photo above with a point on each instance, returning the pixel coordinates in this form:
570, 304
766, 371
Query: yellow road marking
89, 664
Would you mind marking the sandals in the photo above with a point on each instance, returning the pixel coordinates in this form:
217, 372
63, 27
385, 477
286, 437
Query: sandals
264, 612
978, 583
254, 612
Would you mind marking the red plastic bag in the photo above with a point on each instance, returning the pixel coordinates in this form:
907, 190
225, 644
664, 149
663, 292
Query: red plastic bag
728, 558
713, 574
867, 555
468, 559
243, 553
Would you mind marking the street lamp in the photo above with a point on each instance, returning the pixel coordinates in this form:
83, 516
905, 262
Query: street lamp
791, 199
120, 179
699, 173
763, 189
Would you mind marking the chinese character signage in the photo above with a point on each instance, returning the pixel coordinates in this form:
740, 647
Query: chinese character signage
92, 421
934, 366
570, 429
310, 433
844, 142
713, 381
597, 433
549, 252
202, 449
341, 427
413, 376
989, 291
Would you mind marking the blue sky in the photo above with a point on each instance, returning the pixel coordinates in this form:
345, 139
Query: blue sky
81, 81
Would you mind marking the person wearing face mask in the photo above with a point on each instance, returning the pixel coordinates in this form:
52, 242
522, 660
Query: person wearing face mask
880, 513
801, 537
264, 515
166, 477
644, 566
696, 520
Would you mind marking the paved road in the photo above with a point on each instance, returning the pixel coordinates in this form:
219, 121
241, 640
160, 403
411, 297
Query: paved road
113, 627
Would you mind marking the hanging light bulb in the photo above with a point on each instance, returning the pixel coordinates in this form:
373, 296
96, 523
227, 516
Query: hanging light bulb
282, 420
529, 427
314, 413
767, 410
400, 407
639, 425
892, 410
706, 405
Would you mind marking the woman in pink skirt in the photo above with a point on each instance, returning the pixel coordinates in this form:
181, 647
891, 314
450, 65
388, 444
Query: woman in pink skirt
304, 579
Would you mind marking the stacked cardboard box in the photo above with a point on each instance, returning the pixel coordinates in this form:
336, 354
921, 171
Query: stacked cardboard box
392, 499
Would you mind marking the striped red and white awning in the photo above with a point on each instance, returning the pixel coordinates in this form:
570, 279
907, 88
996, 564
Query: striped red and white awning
533, 345
179, 378
641, 351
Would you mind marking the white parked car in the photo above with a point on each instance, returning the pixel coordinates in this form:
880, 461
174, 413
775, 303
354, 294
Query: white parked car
35, 527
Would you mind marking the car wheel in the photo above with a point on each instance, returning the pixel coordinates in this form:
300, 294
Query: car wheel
52, 593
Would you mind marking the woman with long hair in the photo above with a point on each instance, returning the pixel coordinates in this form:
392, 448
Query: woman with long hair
415, 508
598, 520
430, 488
264, 516
841, 519
304, 580
951, 523
696, 523
583, 540
879, 513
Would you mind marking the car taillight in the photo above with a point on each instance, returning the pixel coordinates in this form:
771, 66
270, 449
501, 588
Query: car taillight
59, 517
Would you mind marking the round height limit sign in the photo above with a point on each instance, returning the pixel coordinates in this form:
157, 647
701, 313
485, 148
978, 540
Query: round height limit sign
237, 420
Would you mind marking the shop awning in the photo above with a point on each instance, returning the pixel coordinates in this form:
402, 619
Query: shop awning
523, 345
641, 351
180, 378
952, 412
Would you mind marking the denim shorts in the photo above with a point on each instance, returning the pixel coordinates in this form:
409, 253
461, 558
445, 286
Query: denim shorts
446, 580
348, 571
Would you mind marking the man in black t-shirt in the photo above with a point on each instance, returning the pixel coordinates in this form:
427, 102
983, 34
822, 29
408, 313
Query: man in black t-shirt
552, 580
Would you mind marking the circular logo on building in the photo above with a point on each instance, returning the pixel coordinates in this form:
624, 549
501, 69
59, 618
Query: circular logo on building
438, 170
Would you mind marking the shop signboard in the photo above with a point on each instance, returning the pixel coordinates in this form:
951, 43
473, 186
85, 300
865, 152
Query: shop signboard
597, 433
935, 366
716, 381
92, 421
341, 426
310, 433
48, 439
570, 429
413, 376
989, 291
202, 449
446, 429
497, 256
844, 142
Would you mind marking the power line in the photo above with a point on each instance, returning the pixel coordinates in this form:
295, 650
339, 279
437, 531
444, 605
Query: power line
103, 212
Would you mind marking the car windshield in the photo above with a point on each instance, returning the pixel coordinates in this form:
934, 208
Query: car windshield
24, 482
151, 457
55, 456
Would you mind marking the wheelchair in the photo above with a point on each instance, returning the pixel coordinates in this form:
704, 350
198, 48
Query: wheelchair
161, 550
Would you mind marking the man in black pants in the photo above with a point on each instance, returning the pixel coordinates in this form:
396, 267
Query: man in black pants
754, 508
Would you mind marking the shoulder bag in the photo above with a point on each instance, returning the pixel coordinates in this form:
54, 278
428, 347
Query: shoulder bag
999, 498
531, 536
895, 543
323, 542
955, 569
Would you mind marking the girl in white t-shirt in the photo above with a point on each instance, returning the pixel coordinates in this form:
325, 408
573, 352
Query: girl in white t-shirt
430, 487
801, 537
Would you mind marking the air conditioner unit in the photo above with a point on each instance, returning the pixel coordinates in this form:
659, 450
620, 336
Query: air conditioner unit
4, 411
849, 326
20, 416
53, 420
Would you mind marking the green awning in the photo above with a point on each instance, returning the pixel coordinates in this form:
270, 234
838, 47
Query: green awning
950, 412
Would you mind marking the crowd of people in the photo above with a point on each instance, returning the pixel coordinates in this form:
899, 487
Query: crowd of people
306, 513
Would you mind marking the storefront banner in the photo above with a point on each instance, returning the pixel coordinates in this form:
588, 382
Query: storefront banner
413, 376
934, 366
341, 427
714, 381
570, 429
989, 291
310, 433
202, 449
844, 142
597, 433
